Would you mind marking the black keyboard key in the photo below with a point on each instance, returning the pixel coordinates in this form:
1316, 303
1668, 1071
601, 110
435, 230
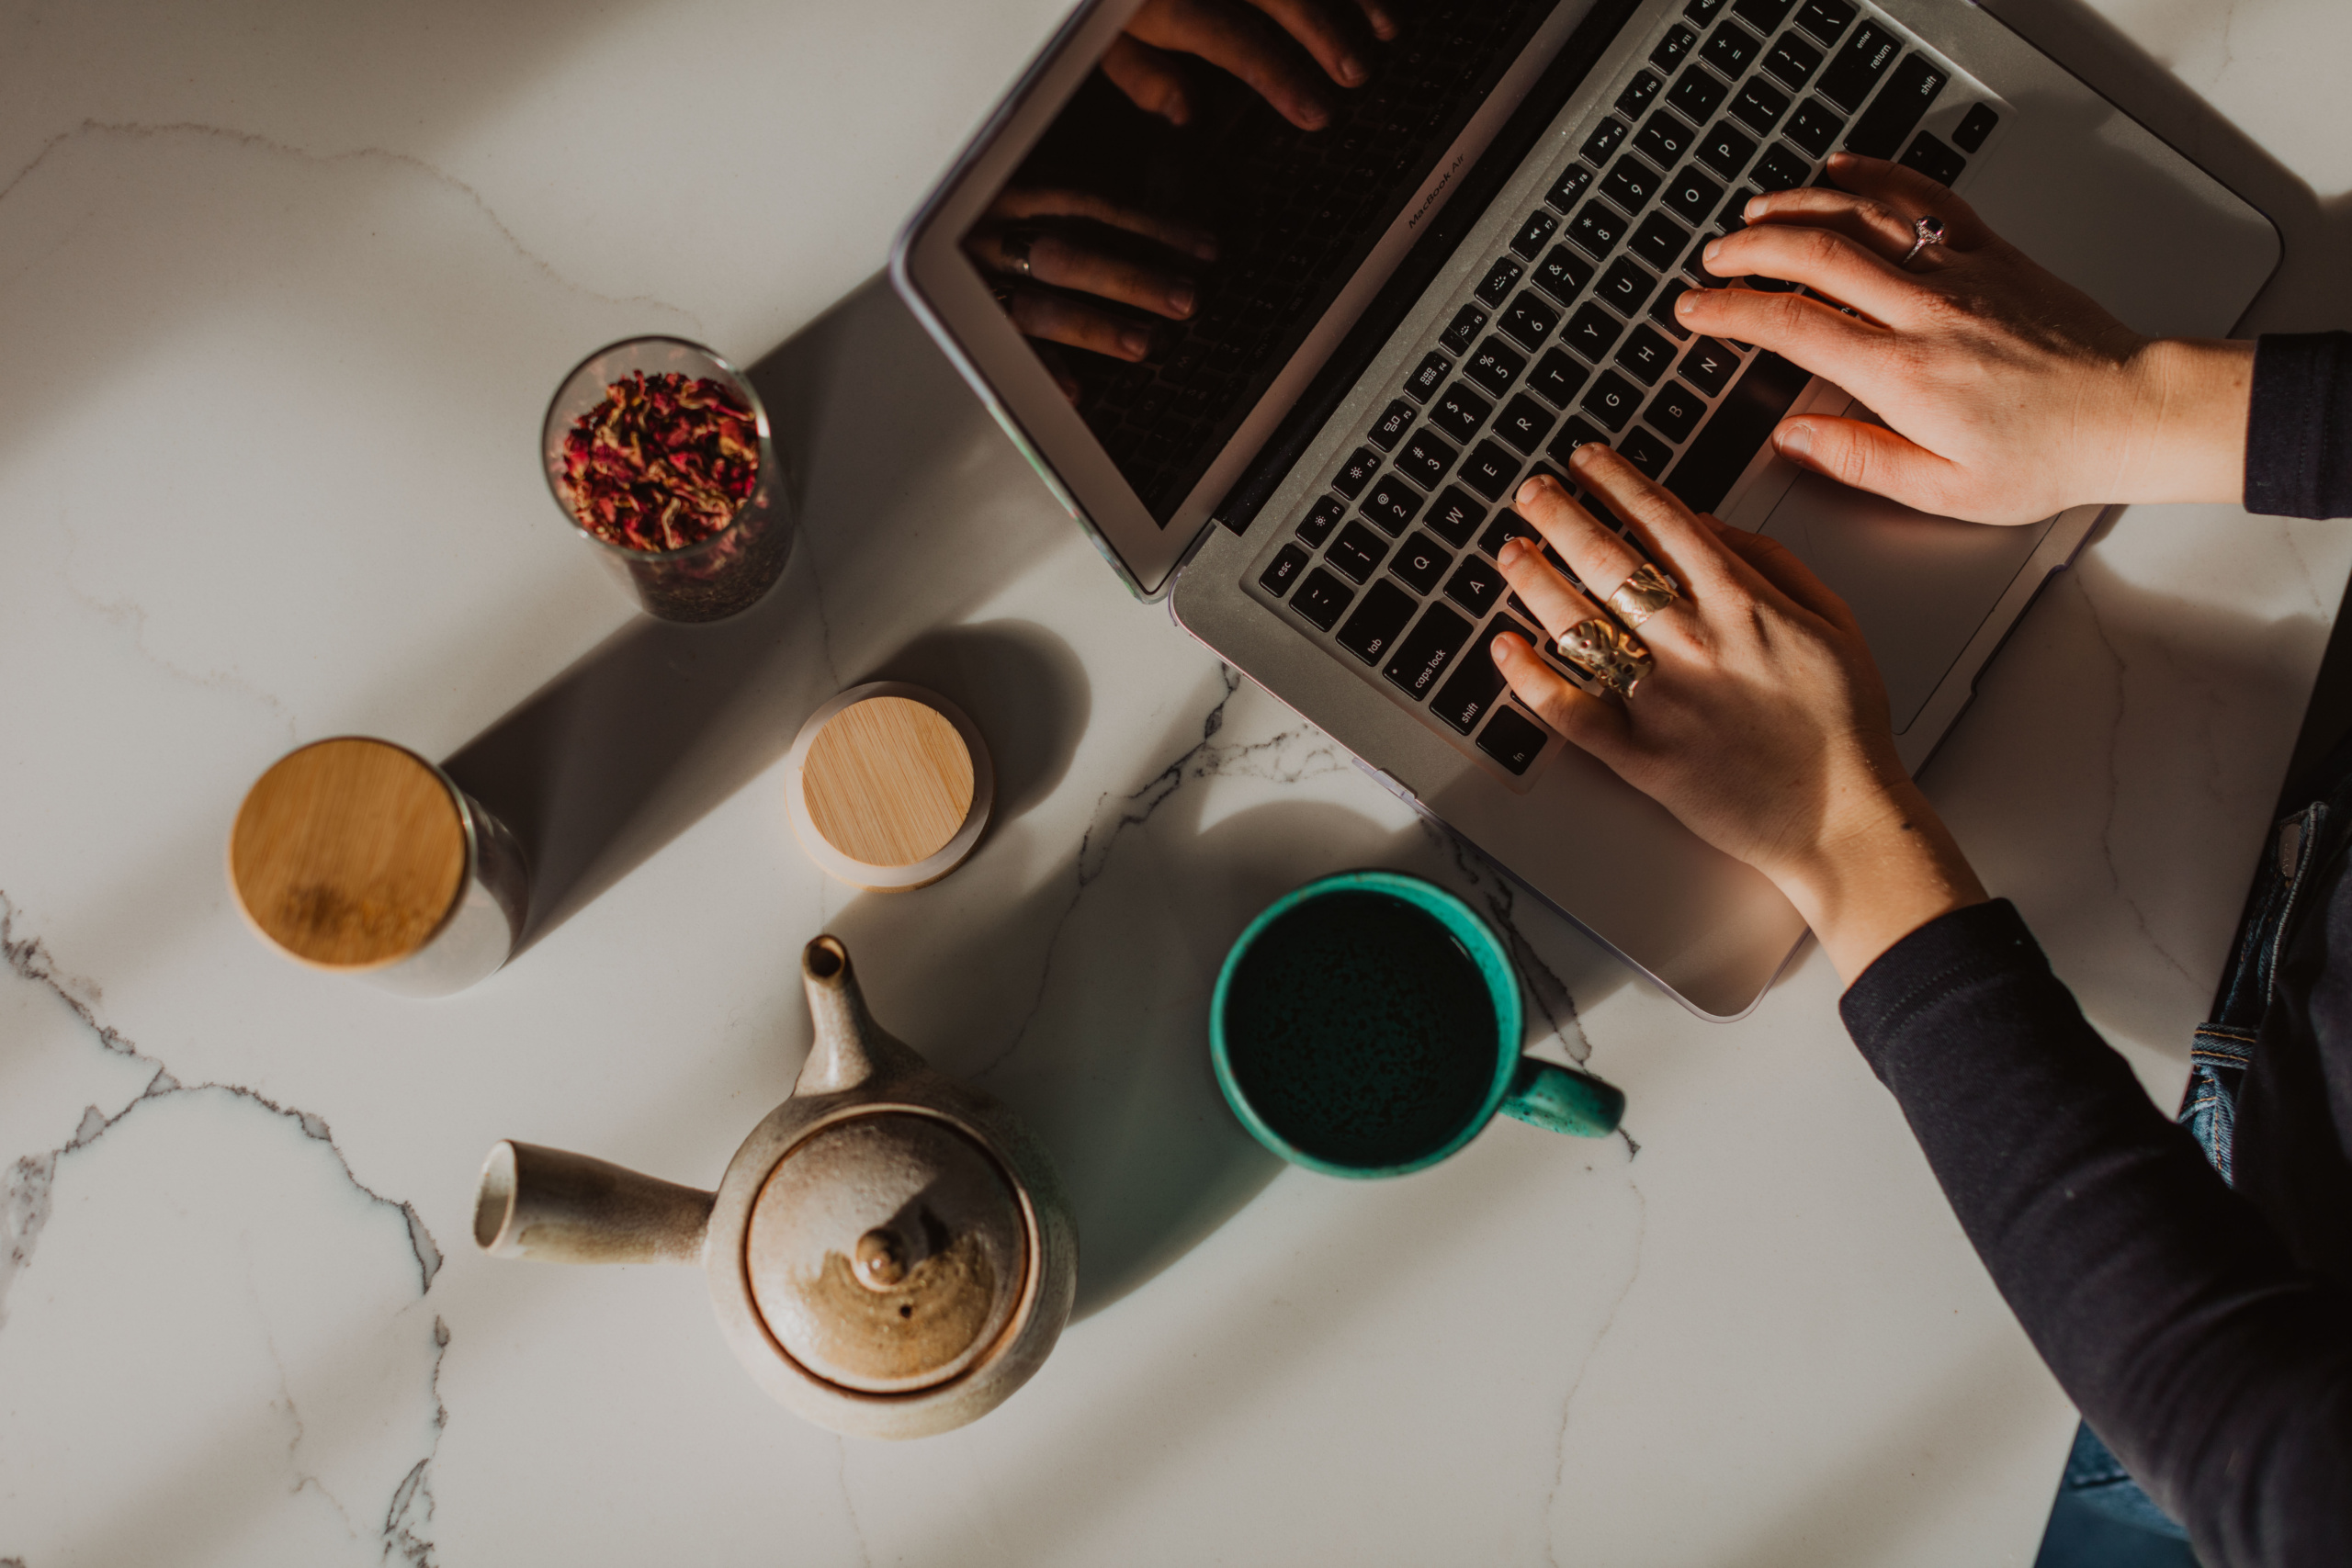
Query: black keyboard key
1602, 141
1357, 553
1508, 525
1534, 235
1792, 59
1692, 196
1697, 94
1317, 525
1612, 400
1421, 563
1596, 230
1910, 87
1727, 149
1455, 517
1390, 428
1464, 700
1511, 739
1564, 275
1424, 656
1460, 412
1759, 105
1495, 367
1646, 356
1391, 504
1659, 241
1500, 279
1357, 473
1573, 434
1645, 451
1933, 158
1740, 428
1816, 128
1322, 599
1825, 20
1662, 308
1695, 264
1372, 628
1475, 585
1856, 70
1664, 140
1558, 378
1783, 167
1734, 217
1702, 12
1630, 184
1428, 378
1732, 51
1283, 569
1530, 320
1674, 48
1490, 470
1571, 186
1765, 13
1591, 333
1525, 423
1677, 411
1626, 287
1974, 127
1463, 330
1425, 459
1645, 87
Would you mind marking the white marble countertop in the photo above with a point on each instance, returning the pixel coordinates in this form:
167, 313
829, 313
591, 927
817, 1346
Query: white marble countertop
285, 287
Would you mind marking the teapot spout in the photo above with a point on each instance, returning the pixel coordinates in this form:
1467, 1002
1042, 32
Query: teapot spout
848, 1048
565, 1208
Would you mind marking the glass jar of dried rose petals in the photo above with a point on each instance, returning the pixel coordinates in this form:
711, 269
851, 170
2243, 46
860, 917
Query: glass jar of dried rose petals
660, 452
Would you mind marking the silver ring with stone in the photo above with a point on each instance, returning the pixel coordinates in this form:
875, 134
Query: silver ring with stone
1925, 233
1013, 245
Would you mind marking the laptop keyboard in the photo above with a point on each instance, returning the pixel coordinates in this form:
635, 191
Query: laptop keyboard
1569, 336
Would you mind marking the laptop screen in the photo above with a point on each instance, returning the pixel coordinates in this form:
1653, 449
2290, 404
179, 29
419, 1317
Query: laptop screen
1176, 234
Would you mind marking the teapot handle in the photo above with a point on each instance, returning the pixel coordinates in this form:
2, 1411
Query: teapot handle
565, 1208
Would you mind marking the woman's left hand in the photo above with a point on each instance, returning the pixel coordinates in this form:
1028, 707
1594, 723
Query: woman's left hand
1762, 726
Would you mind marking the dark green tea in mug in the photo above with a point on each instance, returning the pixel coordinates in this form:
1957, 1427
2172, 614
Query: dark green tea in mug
1361, 1030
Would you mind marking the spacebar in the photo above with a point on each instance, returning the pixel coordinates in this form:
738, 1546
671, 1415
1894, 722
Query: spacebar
1720, 454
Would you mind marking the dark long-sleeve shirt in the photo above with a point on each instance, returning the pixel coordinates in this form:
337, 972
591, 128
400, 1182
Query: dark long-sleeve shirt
2205, 1333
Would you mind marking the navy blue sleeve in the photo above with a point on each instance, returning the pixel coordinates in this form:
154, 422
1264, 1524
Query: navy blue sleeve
2213, 1366
2299, 433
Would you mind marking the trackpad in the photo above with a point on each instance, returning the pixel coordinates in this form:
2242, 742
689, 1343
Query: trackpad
1920, 585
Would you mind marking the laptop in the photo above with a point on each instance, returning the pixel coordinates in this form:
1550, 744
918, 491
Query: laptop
1467, 272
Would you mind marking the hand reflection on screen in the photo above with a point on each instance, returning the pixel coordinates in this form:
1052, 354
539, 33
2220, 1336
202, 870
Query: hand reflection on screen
1261, 41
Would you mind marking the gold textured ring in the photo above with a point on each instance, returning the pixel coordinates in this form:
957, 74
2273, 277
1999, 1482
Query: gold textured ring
1607, 652
1642, 594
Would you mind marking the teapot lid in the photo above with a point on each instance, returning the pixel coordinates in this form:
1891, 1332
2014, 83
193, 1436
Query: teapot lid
886, 1252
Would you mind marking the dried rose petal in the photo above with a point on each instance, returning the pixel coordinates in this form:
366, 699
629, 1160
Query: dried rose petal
661, 463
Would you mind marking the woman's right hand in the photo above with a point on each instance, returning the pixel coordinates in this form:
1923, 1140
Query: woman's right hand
2007, 394
1762, 726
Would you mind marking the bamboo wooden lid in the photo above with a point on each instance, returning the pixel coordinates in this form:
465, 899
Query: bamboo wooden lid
348, 854
890, 787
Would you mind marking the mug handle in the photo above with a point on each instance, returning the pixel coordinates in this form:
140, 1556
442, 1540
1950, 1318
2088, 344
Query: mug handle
1563, 1101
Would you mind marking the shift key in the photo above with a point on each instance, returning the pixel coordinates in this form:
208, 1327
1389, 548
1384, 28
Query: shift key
1475, 685
1899, 108
1422, 656
1374, 626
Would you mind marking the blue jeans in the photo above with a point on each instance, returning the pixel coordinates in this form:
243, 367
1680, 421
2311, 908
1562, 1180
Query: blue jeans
2300, 845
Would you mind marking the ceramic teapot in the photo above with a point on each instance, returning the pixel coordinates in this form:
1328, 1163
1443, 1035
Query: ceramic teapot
891, 1252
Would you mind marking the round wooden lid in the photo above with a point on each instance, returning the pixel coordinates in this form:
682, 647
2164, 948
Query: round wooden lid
348, 854
888, 782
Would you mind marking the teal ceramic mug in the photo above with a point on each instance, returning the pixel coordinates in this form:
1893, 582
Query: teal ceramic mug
1368, 1024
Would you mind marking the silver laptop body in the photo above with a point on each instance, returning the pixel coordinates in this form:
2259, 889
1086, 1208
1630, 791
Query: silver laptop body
1331, 536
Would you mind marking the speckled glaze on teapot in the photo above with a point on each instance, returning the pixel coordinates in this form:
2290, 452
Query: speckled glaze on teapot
890, 1252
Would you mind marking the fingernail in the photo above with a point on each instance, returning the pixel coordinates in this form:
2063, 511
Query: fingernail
1512, 550
1179, 299
1714, 248
1136, 342
1351, 71
1529, 489
1313, 116
1794, 440
1685, 300
1499, 650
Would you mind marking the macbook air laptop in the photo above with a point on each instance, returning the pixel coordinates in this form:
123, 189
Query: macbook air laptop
1465, 273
